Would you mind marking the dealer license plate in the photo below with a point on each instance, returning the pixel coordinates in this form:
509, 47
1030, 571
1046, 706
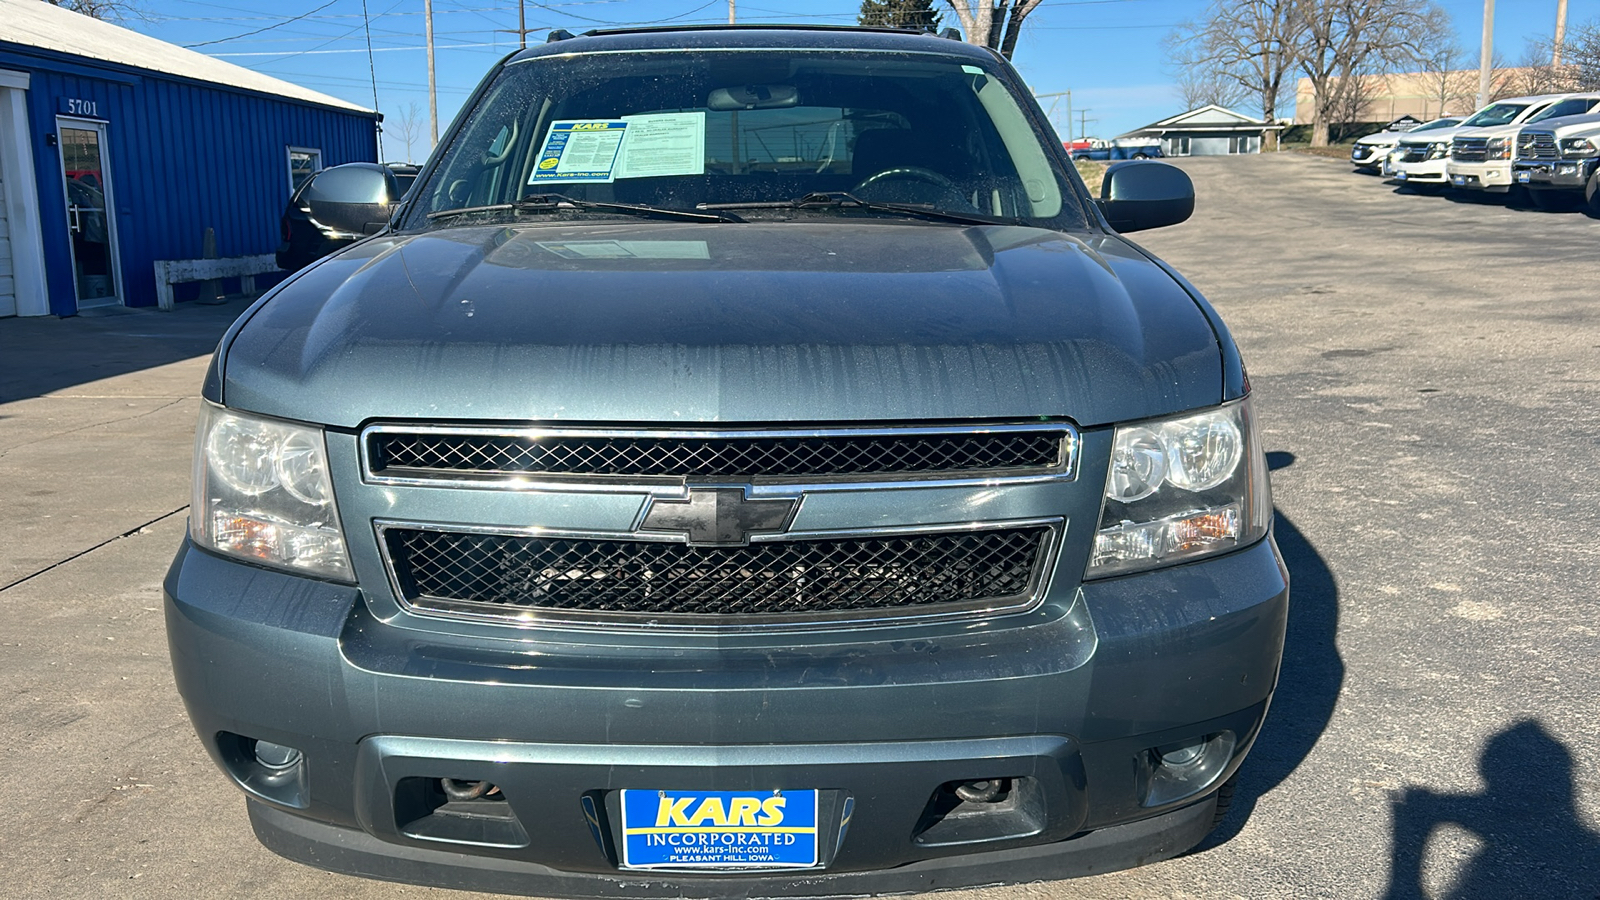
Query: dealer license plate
719, 829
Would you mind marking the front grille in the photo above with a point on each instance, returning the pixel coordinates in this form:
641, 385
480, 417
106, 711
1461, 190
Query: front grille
1537, 145
518, 577
399, 453
1470, 149
1413, 153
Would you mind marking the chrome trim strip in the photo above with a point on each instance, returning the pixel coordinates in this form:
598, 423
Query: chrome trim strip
1044, 570
1065, 467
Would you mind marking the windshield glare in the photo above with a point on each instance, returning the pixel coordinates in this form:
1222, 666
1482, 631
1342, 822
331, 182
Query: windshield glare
681, 129
1498, 114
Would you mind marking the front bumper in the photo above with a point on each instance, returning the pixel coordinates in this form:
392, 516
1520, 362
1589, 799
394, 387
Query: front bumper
1493, 177
1430, 171
1369, 156
1567, 174
1069, 699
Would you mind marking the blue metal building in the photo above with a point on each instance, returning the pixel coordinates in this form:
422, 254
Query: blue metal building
117, 150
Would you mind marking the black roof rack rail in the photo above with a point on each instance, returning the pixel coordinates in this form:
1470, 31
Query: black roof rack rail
753, 26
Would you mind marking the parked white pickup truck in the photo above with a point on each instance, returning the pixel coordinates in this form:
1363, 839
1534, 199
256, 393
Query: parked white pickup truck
1420, 161
1557, 159
1480, 158
1369, 152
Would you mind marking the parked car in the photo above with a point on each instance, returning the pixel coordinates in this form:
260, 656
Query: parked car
1421, 161
307, 238
1480, 158
747, 463
1370, 151
1121, 148
1557, 160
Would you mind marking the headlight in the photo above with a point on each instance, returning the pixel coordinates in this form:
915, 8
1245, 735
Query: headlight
262, 493
1578, 148
1438, 150
1499, 148
1182, 488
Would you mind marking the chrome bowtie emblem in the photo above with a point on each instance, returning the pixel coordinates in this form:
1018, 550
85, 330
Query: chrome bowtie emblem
721, 516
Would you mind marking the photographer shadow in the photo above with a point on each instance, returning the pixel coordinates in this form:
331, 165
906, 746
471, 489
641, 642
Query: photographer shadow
1532, 842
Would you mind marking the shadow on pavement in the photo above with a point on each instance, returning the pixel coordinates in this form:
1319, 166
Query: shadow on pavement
1308, 686
42, 355
1531, 842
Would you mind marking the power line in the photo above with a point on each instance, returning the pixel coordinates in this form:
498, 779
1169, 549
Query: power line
266, 28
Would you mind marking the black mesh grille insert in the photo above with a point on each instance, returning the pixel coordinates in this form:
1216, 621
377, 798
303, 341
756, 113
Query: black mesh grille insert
512, 574
768, 456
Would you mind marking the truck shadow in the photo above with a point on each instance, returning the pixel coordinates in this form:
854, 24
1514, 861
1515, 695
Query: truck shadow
1524, 825
41, 355
1308, 686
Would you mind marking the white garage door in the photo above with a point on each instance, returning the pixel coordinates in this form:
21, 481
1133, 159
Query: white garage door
8, 290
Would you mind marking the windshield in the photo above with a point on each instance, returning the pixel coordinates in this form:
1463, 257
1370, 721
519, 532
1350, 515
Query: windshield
1496, 114
686, 129
1572, 106
1437, 123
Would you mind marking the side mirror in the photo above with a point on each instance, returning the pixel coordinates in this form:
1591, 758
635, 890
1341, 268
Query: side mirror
354, 199
1140, 194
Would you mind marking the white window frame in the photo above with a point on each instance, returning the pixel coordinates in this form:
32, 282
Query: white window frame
288, 160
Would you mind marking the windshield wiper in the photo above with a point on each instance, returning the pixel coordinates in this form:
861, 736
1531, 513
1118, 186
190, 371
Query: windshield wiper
847, 200
558, 202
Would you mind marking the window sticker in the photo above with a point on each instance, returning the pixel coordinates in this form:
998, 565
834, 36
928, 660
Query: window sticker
664, 144
580, 150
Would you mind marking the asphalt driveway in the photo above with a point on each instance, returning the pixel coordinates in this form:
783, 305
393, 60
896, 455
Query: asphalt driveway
1426, 372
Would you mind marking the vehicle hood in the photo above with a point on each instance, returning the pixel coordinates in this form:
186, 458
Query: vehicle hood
1492, 131
1383, 137
1436, 136
756, 322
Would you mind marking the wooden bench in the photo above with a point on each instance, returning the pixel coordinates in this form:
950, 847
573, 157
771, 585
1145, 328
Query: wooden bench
178, 271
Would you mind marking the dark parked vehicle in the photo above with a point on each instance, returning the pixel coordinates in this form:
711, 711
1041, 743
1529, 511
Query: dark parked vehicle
348, 206
747, 463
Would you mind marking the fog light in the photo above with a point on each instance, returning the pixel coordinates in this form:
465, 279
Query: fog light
1181, 754
276, 757
1177, 771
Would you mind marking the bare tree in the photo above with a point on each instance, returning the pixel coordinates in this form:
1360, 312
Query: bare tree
107, 10
1446, 72
1344, 38
1535, 74
1200, 86
1249, 42
1581, 50
1355, 94
408, 124
995, 24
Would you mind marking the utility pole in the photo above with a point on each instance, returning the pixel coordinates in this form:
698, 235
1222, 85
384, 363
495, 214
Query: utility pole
1083, 124
1486, 60
522, 29
1561, 31
730, 12
1050, 113
433, 93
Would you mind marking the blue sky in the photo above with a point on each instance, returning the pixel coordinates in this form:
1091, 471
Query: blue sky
1107, 52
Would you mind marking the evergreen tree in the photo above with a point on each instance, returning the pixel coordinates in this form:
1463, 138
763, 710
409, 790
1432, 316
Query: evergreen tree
918, 14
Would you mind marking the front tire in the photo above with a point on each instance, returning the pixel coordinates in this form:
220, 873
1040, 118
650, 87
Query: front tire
1591, 196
